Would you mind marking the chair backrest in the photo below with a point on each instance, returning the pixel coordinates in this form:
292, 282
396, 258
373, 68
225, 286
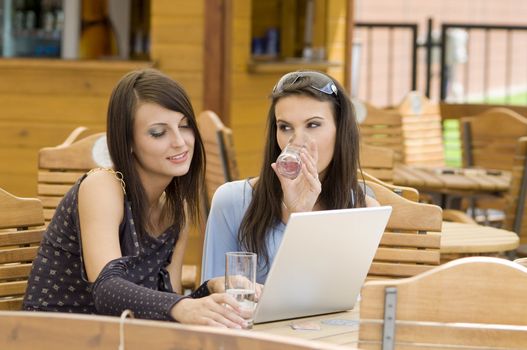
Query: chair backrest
381, 128
26, 330
489, 139
422, 131
411, 242
219, 149
21, 228
406, 192
60, 166
488, 293
516, 206
378, 161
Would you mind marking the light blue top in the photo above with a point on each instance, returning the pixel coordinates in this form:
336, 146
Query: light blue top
229, 204
228, 207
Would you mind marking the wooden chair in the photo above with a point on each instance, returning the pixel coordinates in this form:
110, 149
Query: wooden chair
219, 149
489, 139
470, 303
422, 131
381, 128
516, 206
21, 228
412, 239
490, 147
378, 161
38, 330
61, 166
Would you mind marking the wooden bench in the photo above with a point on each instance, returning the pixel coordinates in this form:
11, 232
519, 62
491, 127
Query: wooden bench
470, 303
21, 229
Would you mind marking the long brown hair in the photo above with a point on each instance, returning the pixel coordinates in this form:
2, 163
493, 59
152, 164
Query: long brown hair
150, 85
265, 211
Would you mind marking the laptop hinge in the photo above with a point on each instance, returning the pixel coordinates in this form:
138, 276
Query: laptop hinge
390, 303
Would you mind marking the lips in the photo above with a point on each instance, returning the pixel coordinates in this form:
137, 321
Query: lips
178, 158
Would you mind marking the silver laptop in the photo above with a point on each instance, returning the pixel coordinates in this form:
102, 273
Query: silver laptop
321, 263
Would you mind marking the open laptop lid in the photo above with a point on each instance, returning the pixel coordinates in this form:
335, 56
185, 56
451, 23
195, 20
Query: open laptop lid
321, 263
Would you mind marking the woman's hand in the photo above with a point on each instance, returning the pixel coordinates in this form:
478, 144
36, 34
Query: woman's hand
302, 193
220, 310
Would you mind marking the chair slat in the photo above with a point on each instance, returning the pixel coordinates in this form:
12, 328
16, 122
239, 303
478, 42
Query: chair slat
407, 255
396, 271
429, 240
21, 237
12, 288
11, 304
59, 177
18, 254
13, 271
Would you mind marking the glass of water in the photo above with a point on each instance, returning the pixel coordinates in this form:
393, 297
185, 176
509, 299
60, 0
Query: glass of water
288, 162
240, 282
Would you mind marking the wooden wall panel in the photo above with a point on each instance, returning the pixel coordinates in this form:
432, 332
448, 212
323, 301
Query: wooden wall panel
177, 36
42, 102
249, 91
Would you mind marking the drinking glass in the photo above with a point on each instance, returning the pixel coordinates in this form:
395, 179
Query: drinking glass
240, 282
288, 162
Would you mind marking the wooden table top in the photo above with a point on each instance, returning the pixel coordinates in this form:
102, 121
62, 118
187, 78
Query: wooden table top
449, 180
469, 238
340, 328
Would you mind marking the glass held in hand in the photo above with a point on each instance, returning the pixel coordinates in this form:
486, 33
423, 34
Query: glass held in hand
240, 282
288, 162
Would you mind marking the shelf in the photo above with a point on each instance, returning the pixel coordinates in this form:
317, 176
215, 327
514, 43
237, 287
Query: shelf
288, 65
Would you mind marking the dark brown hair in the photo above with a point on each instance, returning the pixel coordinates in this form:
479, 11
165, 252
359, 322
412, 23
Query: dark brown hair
265, 211
150, 85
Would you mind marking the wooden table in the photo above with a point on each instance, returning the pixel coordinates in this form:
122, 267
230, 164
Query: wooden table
450, 181
458, 240
340, 328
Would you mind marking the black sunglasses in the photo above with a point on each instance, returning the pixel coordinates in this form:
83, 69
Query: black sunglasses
318, 81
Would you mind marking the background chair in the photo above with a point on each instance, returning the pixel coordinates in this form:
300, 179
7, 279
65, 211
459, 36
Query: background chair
516, 208
61, 166
381, 128
490, 147
422, 131
219, 149
435, 310
411, 242
21, 229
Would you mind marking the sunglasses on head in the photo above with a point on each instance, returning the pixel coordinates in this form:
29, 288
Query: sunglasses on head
317, 81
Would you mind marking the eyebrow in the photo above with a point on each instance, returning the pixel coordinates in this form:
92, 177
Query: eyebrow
165, 124
308, 120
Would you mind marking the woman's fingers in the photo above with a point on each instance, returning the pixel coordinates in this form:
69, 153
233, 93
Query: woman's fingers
225, 310
258, 291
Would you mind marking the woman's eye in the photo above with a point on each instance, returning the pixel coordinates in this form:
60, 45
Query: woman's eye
184, 125
284, 127
313, 125
157, 133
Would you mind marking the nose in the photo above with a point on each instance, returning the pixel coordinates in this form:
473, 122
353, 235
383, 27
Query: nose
177, 139
298, 138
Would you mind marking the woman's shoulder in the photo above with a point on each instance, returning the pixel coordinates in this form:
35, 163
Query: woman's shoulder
232, 191
101, 189
102, 180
